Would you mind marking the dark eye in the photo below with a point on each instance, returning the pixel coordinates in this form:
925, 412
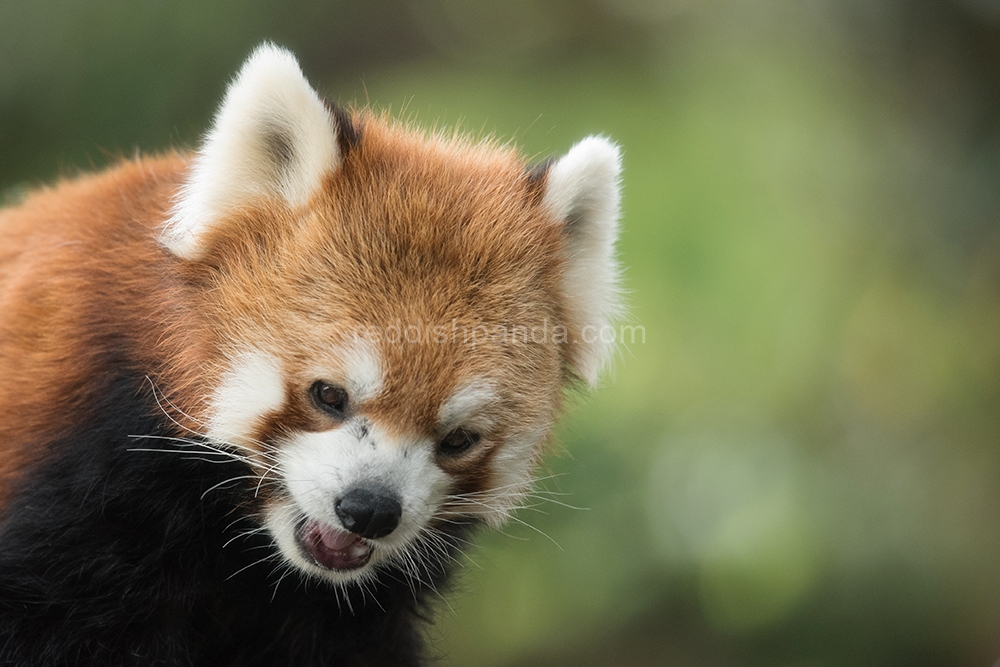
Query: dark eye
330, 398
458, 441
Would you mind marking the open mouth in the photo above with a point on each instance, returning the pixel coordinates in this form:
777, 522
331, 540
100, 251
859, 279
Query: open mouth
332, 548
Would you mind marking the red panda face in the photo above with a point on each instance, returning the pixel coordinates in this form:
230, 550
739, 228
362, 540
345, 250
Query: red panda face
393, 316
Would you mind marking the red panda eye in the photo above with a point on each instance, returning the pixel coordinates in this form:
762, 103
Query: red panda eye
330, 398
458, 441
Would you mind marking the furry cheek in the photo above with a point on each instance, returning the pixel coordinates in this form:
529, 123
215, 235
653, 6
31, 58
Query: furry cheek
498, 482
252, 386
512, 472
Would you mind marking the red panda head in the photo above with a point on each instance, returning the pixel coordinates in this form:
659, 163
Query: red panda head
393, 316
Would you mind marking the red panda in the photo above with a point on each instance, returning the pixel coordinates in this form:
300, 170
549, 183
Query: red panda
254, 399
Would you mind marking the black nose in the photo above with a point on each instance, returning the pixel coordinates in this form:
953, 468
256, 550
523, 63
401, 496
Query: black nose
369, 512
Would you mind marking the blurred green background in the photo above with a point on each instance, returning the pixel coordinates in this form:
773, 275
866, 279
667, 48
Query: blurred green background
799, 465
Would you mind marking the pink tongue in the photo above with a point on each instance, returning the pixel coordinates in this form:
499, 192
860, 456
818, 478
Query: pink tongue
333, 539
332, 548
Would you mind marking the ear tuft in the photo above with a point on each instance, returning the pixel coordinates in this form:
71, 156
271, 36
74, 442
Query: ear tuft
272, 138
582, 190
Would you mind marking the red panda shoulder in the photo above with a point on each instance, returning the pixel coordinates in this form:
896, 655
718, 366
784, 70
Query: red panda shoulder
85, 291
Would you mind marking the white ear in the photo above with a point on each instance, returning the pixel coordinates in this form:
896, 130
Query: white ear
272, 137
582, 189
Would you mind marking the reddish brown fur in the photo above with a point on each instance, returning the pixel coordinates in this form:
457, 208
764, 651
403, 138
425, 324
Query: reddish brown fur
80, 262
407, 231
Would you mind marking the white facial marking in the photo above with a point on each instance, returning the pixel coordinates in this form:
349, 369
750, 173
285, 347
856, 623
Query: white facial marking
466, 403
252, 387
582, 190
512, 471
363, 369
271, 137
319, 468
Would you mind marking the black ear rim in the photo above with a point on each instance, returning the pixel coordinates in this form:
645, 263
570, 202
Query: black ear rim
348, 133
535, 175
